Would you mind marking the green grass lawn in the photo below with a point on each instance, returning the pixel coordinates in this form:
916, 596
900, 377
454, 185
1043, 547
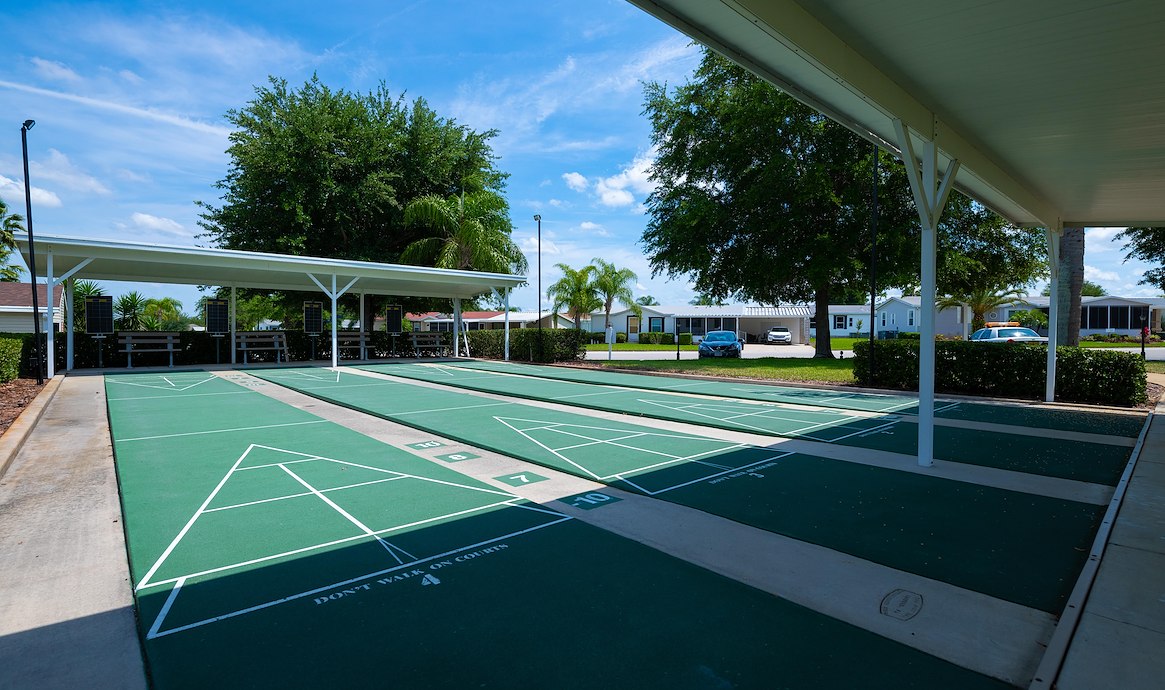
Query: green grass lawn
1155, 367
840, 343
780, 369
1097, 343
637, 347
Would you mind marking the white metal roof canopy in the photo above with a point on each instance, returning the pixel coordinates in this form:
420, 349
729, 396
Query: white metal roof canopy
66, 258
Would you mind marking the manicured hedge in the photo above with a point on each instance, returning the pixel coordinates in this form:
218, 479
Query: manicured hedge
1012, 370
685, 338
655, 338
10, 351
558, 344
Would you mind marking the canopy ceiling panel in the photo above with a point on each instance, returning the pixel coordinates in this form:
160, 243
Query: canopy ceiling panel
1054, 108
113, 260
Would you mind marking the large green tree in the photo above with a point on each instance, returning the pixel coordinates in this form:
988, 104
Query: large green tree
329, 173
1147, 244
759, 197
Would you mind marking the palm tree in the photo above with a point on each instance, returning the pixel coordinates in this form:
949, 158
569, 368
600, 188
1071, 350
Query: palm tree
473, 233
10, 223
165, 311
613, 284
981, 300
647, 301
575, 292
705, 299
128, 309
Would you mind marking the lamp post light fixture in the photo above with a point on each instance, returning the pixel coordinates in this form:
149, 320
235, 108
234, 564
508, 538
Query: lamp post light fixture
29, 124
538, 219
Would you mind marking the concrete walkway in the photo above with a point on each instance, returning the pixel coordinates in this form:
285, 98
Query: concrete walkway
66, 609
67, 621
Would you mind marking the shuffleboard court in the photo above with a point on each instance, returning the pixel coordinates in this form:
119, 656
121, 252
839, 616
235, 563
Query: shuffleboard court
1045, 455
281, 550
1019, 547
1098, 422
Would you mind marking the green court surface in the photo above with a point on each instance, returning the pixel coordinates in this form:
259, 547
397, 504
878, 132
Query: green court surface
1109, 424
1055, 457
1014, 546
271, 548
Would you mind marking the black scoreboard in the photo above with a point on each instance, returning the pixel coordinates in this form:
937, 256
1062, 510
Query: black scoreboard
313, 318
217, 316
98, 314
393, 319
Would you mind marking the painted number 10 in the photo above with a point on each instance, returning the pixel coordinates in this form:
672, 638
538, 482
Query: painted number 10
590, 499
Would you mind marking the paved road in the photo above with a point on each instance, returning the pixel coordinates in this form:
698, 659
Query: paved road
754, 351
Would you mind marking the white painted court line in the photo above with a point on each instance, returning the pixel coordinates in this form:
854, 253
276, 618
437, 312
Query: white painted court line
741, 468
190, 523
192, 395
342, 583
446, 409
299, 495
159, 387
219, 431
313, 547
346, 515
547, 448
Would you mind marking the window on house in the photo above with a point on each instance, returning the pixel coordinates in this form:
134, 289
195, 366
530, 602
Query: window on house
632, 324
1118, 317
838, 323
1098, 317
910, 318
728, 324
1084, 318
442, 326
683, 325
699, 326
1139, 317
655, 324
883, 319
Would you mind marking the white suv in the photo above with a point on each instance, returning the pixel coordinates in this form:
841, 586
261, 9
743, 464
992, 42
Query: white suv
779, 334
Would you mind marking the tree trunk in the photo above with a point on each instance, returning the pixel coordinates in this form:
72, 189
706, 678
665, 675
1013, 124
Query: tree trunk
824, 345
1071, 282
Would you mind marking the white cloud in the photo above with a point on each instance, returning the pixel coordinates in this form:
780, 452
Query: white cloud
13, 193
620, 189
164, 226
1097, 275
54, 71
575, 181
60, 170
557, 203
593, 229
130, 76
1101, 234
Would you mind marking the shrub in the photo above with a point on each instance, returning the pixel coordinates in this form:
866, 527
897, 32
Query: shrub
1014, 370
908, 335
10, 351
685, 338
620, 337
667, 339
598, 337
558, 345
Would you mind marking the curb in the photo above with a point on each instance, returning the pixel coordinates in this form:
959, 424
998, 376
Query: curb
15, 436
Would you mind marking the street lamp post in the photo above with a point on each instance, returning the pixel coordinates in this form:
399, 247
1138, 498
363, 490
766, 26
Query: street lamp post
29, 124
538, 219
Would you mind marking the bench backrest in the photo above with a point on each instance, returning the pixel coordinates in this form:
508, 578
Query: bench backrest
277, 338
428, 338
147, 337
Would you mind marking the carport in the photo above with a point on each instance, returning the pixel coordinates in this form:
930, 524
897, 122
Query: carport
66, 259
1048, 112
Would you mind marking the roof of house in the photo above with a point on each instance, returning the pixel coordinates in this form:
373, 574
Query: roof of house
19, 295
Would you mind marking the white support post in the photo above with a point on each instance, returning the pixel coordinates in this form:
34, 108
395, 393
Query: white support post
930, 198
1054, 232
335, 340
69, 316
50, 313
363, 328
234, 324
457, 327
506, 337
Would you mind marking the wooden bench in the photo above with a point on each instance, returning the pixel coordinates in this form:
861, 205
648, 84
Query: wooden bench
147, 341
255, 341
353, 340
433, 341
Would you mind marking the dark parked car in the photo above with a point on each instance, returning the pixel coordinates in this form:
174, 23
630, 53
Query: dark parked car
720, 344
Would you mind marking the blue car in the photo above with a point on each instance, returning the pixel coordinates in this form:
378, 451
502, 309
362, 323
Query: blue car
721, 344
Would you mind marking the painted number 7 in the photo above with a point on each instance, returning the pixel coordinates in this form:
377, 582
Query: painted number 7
520, 478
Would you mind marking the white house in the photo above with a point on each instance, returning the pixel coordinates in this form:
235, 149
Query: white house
749, 321
16, 307
1100, 315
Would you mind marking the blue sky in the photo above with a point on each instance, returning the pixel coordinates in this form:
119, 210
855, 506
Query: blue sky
129, 100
